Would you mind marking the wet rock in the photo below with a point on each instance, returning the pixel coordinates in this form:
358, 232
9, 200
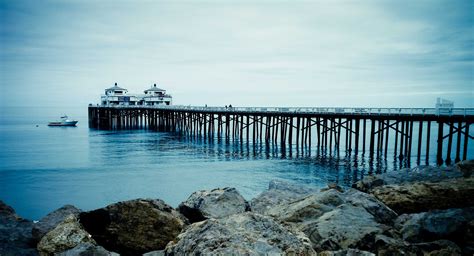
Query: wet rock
418, 174
239, 234
15, 233
216, 203
346, 226
50, 221
348, 252
466, 167
133, 227
67, 235
279, 193
381, 212
450, 224
87, 249
425, 196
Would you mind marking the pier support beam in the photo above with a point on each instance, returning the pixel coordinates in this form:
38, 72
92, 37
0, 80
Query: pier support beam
439, 154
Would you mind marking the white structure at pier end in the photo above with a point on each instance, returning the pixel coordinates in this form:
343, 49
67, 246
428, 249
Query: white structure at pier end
156, 96
118, 96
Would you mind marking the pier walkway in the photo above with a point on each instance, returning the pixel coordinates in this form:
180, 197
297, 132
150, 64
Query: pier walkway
372, 131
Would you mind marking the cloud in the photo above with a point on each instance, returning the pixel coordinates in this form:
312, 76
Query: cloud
350, 50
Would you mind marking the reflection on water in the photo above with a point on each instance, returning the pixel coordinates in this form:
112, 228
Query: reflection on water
44, 168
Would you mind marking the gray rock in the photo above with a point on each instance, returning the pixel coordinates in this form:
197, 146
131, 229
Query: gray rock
307, 209
330, 217
239, 234
216, 203
418, 174
425, 196
466, 167
381, 212
50, 221
67, 235
279, 193
134, 227
345, 227
450, 224
87, 249
15, 233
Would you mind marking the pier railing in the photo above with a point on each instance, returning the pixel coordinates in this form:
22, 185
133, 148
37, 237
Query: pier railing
376, 128
315, 110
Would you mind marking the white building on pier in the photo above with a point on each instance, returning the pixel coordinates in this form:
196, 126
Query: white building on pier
116, 95
156, 96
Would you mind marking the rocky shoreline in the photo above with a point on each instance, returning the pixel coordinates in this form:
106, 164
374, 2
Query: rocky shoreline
423, 211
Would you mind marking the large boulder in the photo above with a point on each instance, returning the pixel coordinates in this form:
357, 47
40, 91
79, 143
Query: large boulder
306, 210
346, 226
134, 227
425, 196
382, 213
450, 224
424, 173
330, 217
216, 203
67, 235
87, 249
335, 222
279, 193
50, 221
239, 234
15, 233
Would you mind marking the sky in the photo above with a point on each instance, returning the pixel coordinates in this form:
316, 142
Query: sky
245, 53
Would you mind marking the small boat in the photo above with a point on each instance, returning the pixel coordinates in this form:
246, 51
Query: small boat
64, 122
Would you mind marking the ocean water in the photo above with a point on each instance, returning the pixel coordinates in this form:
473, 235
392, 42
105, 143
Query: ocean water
43, 168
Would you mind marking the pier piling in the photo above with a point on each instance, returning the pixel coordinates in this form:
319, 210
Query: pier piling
301, 129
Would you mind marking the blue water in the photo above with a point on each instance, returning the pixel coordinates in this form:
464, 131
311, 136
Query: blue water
43, 168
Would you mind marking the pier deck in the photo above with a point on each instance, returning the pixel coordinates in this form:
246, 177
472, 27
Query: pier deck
358, 130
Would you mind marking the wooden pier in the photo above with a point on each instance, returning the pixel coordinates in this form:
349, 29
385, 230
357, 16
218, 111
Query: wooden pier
372, 132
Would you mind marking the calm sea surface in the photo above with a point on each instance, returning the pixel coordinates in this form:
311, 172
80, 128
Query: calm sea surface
43, 168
